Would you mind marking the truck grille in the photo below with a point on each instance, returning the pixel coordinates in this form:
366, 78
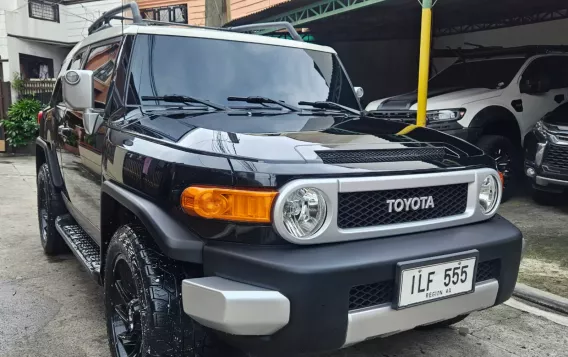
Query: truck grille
556, 156
387, 155
370, 208
368, 295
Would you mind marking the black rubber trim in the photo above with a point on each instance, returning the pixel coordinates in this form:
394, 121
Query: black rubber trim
52, 163
173, 239
317, 279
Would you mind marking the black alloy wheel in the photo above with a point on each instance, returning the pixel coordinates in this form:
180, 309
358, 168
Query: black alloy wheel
125, 319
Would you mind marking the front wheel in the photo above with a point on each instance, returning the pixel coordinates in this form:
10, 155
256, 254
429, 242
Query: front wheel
143, 303
507, 158
49, 207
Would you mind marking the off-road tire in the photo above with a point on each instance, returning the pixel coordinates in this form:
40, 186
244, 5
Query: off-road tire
165, 329
443, 324
49, 207
491, 144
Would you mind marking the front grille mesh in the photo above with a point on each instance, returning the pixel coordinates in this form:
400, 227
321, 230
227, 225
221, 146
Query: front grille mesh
370, 295
556, 156
370, 208
488, 270
386, 155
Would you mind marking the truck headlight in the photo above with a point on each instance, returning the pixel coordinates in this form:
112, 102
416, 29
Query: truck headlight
489, 194
304, 212
445, 115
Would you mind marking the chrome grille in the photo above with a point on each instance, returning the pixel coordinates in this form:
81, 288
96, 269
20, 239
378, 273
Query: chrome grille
386, 155
370, 208
556, 157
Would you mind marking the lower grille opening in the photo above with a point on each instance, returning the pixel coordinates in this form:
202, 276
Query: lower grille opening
368, 295
488, 270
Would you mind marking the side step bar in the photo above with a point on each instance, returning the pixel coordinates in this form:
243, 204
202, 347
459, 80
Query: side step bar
81, 244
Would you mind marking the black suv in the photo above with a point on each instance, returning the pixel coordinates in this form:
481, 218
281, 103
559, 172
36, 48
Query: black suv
229, 195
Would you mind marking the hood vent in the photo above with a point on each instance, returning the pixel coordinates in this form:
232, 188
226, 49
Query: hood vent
385, 155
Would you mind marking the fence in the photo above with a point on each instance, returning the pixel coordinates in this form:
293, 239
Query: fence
39, 89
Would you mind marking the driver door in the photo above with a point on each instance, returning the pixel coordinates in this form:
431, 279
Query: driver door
81, 154
553, 69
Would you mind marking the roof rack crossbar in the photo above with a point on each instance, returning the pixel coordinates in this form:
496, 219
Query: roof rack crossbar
104, 20
485, 52
269, 26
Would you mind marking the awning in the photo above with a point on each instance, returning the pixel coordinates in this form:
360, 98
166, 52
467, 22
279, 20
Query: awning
44, 41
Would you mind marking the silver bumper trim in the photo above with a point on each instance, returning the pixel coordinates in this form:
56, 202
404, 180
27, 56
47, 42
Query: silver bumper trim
233, 307
384, 320
545, 181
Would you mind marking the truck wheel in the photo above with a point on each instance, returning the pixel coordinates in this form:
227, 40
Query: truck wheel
143, 303
508, 160
49, 206
444, 323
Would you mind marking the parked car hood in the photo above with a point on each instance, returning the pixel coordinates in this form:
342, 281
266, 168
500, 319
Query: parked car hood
444, 98
295, 137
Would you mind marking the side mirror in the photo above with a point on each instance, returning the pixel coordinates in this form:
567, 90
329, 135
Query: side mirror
91, 122
535, 86
359, 92
79, 95
78, 90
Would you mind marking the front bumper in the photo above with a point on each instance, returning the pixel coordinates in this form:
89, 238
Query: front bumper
291, 299
544, 166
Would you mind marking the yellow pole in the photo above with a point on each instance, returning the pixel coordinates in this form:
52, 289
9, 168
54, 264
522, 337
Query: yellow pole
424, 66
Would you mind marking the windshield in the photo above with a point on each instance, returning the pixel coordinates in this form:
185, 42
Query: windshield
492, 74
215, 70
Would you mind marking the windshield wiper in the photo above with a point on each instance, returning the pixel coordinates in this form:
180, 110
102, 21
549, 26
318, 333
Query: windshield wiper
263, 100
330, 105
185, 100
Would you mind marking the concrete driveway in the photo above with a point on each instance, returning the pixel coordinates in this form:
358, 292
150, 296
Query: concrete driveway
50, 307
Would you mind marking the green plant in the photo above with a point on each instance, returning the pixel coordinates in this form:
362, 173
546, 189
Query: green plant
21, 125
18, 82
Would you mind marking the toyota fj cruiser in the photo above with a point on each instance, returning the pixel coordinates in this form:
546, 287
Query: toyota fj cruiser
230, 196
491, 97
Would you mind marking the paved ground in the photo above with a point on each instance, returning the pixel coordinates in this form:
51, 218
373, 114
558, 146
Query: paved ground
49, 307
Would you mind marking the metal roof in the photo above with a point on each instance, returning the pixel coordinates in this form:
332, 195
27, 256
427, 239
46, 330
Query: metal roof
352, 20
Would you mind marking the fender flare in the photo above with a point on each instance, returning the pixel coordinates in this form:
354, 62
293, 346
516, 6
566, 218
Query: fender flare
174, 239
495, 113
52, 162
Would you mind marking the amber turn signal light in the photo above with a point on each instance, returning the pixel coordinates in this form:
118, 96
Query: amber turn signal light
502, 178
228, 204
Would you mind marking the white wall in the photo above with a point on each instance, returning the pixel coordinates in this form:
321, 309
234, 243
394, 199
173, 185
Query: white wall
543, 33
80, 16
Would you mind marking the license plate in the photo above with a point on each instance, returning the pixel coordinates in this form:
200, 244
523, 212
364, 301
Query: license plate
427, 280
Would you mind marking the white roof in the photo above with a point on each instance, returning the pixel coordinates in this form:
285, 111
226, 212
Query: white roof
118, 30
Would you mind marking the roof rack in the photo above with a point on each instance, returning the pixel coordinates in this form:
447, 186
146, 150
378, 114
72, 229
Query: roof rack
116, 14
486, 52
104, 21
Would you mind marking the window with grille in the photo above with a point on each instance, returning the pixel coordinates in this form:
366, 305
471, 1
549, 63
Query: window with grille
43, 10
174, 13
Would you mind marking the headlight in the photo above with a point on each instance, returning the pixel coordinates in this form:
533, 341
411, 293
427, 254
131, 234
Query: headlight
304, 212
445, 114
541, 128
488, 194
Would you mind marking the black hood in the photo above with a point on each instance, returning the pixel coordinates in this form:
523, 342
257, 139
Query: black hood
300, 138
558, 117
405, 101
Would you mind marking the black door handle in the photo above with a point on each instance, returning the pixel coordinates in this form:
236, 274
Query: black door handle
559, 98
